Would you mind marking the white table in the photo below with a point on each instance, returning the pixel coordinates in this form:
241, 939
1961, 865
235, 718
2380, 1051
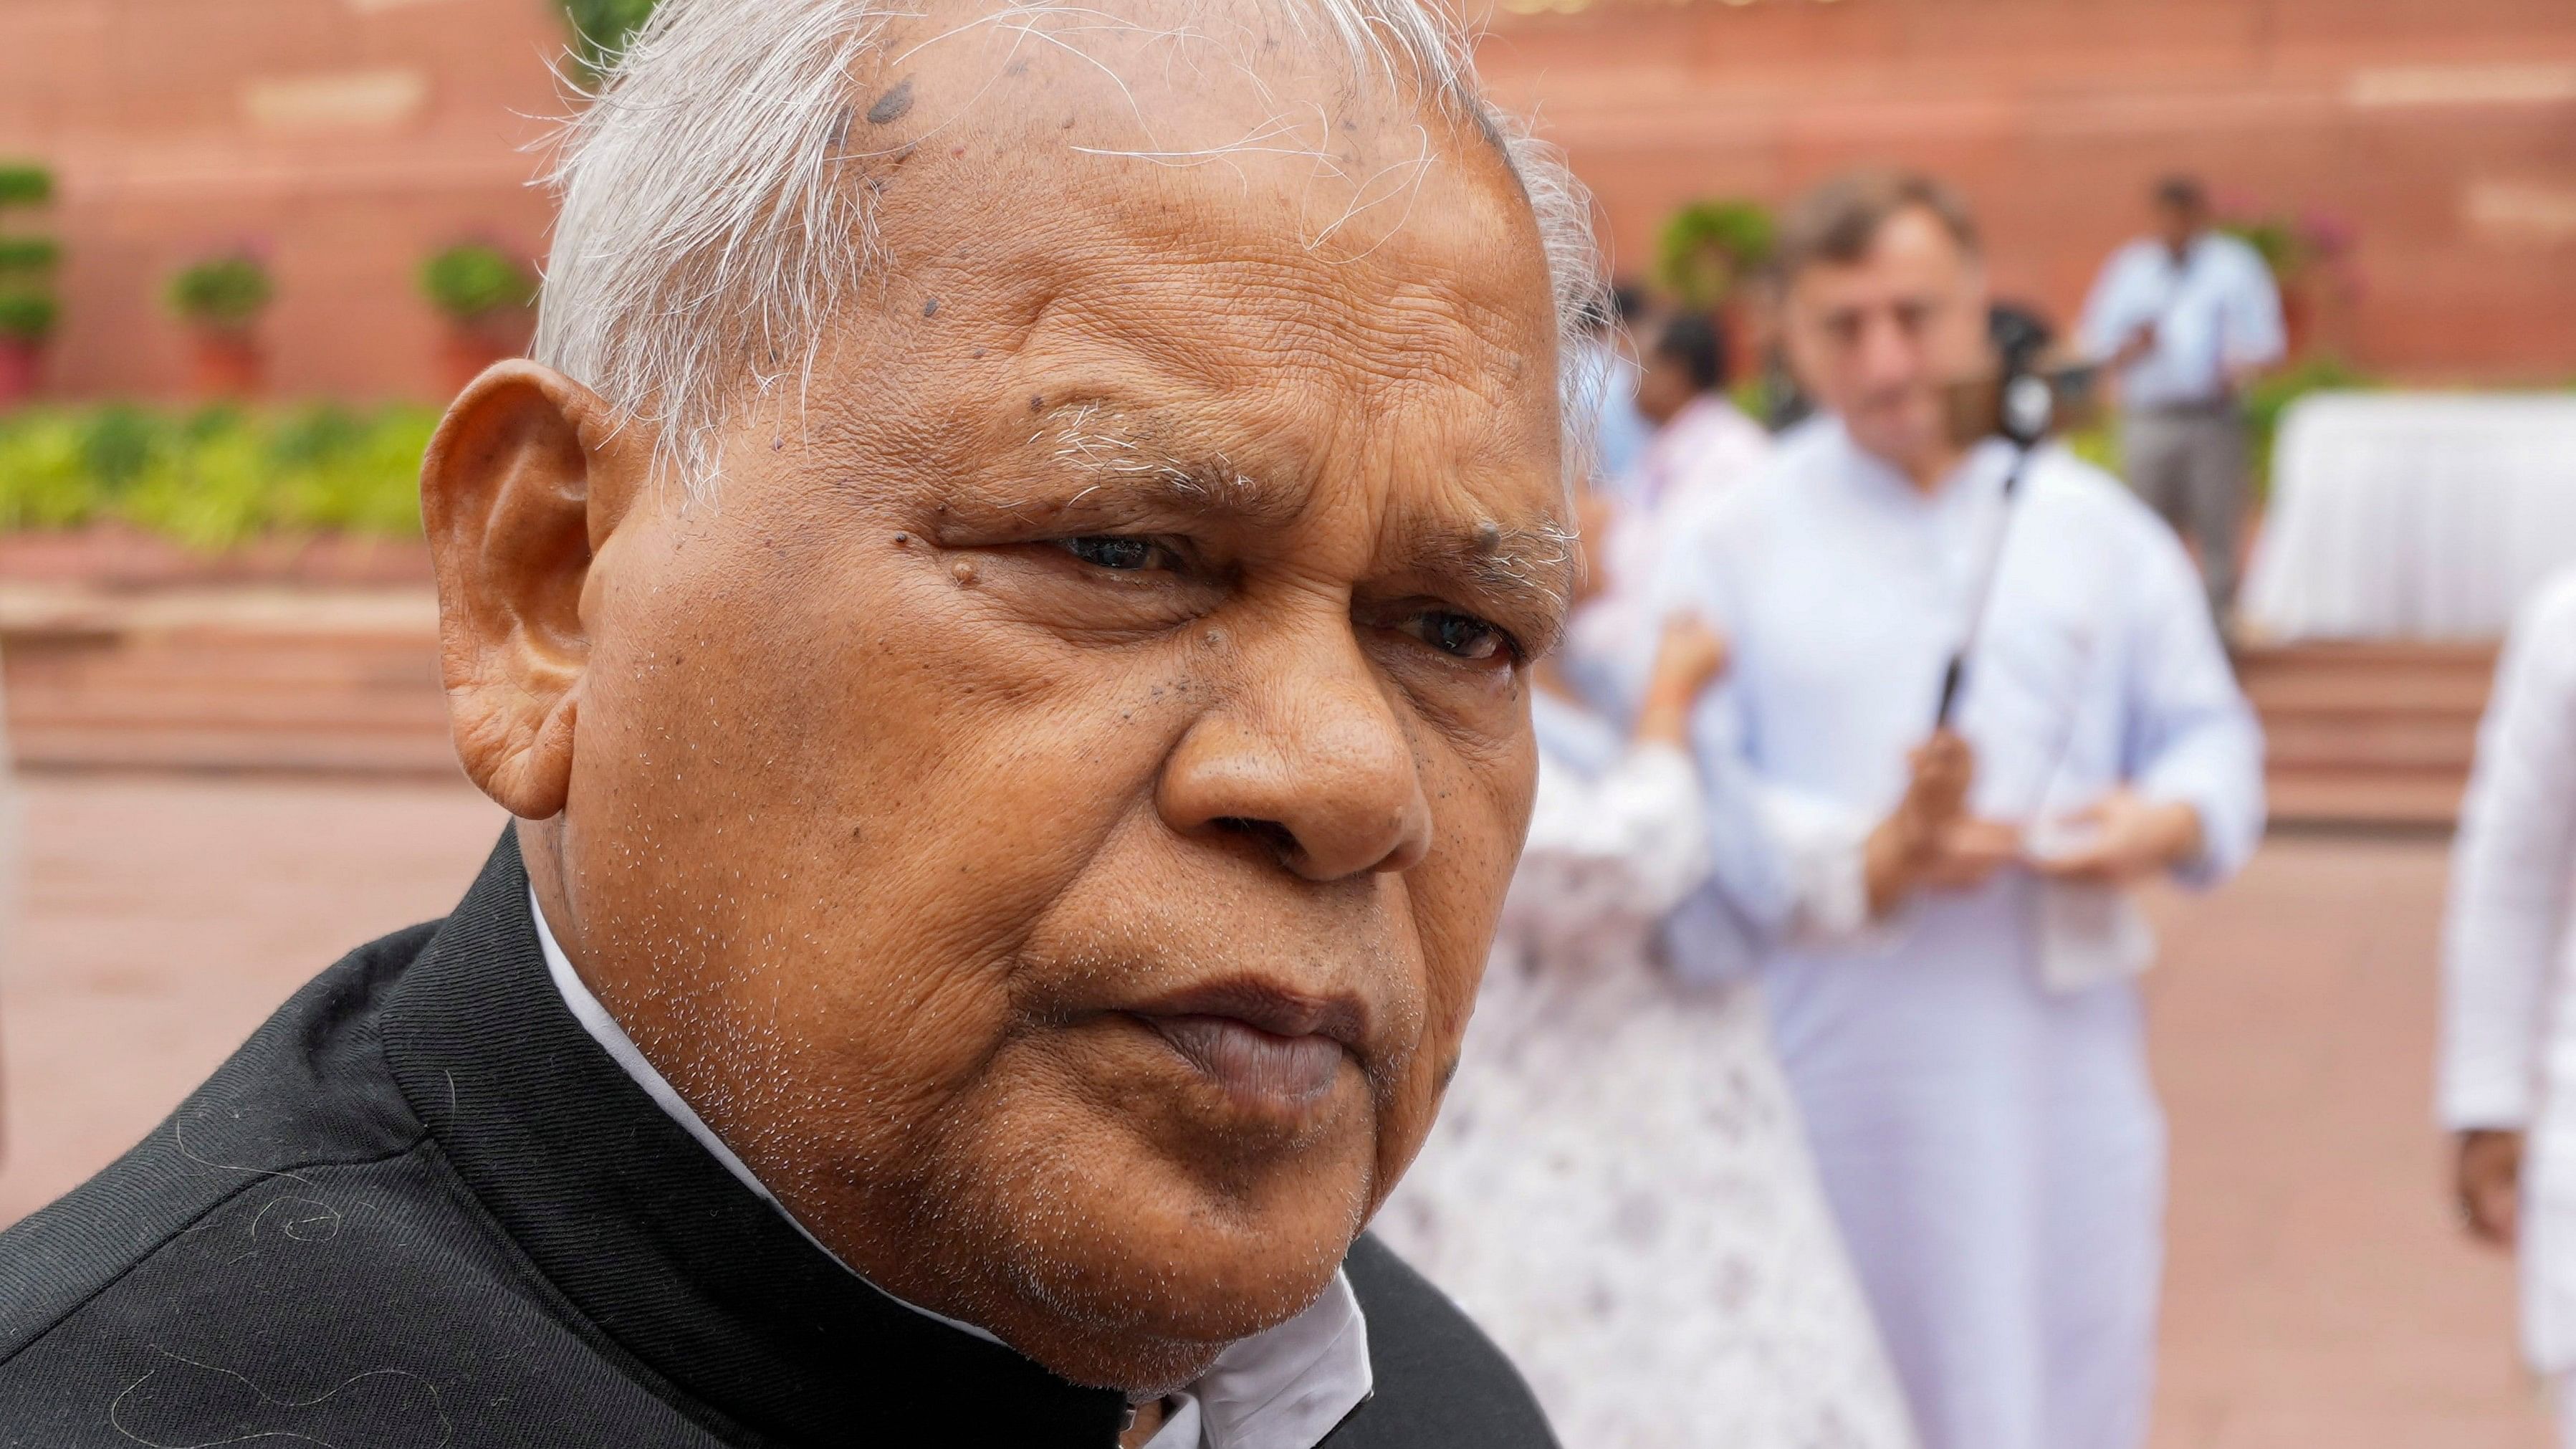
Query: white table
2413, 515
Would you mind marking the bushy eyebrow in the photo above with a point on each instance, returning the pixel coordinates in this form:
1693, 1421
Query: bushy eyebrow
1527, 569
1503, 560
1090, 438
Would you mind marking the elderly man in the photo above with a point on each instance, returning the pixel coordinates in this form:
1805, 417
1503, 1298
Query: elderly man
1937, 918
2187, 317
1001, 618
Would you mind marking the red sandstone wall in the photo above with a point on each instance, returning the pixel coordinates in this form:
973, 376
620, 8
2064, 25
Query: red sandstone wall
350, 137
345, 138
2442, 131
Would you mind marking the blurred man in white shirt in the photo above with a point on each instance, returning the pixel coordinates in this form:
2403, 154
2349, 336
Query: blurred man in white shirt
2508, 1081
1932, 912
2186, 318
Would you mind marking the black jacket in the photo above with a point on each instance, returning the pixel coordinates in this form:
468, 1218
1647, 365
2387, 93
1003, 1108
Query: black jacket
421, 1207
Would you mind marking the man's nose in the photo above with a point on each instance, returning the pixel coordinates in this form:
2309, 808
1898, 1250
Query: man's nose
1889, 356
1307, 757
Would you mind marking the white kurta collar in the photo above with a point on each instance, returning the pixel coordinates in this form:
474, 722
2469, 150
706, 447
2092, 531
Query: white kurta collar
1284, 1388
1979, 471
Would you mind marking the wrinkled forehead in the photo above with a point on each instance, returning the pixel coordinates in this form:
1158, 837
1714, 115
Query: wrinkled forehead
1155, 214
1342, 145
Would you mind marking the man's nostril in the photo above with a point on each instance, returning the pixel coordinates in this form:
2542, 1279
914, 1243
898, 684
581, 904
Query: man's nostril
1269, 832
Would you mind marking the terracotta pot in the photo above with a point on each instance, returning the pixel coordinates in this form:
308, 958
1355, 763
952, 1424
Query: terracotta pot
470, 347
225, 364
21, 365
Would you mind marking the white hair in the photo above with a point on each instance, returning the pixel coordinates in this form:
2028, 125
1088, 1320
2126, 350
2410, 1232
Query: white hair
713, 221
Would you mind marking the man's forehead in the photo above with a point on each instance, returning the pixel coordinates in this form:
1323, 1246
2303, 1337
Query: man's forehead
1239, 93
1910, 253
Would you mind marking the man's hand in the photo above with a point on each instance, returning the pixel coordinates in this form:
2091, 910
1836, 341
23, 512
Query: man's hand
2488, 1179
1971, 850
1929, 839
2138, 344
2123, 838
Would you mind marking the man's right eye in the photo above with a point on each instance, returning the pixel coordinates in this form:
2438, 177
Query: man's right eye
1123, 554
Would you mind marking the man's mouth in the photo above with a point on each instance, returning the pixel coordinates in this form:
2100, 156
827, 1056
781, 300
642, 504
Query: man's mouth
1267, 1050
1254, 1067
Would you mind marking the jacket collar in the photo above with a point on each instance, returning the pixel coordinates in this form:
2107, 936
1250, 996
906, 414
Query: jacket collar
654, 1242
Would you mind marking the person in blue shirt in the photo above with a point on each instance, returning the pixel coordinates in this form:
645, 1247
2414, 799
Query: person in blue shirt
2185, 319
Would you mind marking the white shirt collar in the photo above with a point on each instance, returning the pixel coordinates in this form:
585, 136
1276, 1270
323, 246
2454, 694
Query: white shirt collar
1284, 1388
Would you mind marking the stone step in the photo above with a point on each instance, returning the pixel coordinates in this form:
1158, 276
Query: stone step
2368, 735
248, 680
2412, 800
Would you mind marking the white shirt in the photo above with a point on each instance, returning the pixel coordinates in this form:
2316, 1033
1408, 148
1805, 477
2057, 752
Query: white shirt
2215, 310
1970, 1071
2508, 1036
1285, 1388
1845, 590
2505, 957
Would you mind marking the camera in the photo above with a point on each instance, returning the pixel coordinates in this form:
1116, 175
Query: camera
2031, 394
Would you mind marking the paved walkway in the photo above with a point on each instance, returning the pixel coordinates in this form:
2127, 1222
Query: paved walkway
2318, 1296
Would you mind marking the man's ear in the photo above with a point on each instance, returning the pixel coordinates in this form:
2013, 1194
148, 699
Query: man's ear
528, 475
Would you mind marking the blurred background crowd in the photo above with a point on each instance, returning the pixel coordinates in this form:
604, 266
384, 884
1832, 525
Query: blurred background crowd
246, 251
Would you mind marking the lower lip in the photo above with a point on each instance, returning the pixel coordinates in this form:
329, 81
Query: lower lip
1253, 1066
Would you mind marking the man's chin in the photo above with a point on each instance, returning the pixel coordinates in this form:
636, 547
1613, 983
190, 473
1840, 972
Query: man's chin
1114, 1269
1154, 1321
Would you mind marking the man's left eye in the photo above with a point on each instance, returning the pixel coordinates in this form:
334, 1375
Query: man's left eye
1112, 551
1461, 636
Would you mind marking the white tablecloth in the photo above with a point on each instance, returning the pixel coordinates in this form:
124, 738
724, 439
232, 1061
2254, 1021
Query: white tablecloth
2413, 515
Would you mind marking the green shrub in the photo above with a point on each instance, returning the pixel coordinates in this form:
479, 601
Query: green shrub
213, 477
226, 292
27, 316
601, 28
23, 183
472, 281
29, 254
1708, 247
27, 308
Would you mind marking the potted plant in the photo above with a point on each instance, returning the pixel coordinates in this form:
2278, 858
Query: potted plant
1707, 254
27, 307
484, 293
1709, 248
222, 299
2310, 257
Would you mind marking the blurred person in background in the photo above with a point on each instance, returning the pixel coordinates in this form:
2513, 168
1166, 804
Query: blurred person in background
1702, 442
1937, 917
2185, 318
1605, 375
2508, 1072
1617, 1188
1702, 445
